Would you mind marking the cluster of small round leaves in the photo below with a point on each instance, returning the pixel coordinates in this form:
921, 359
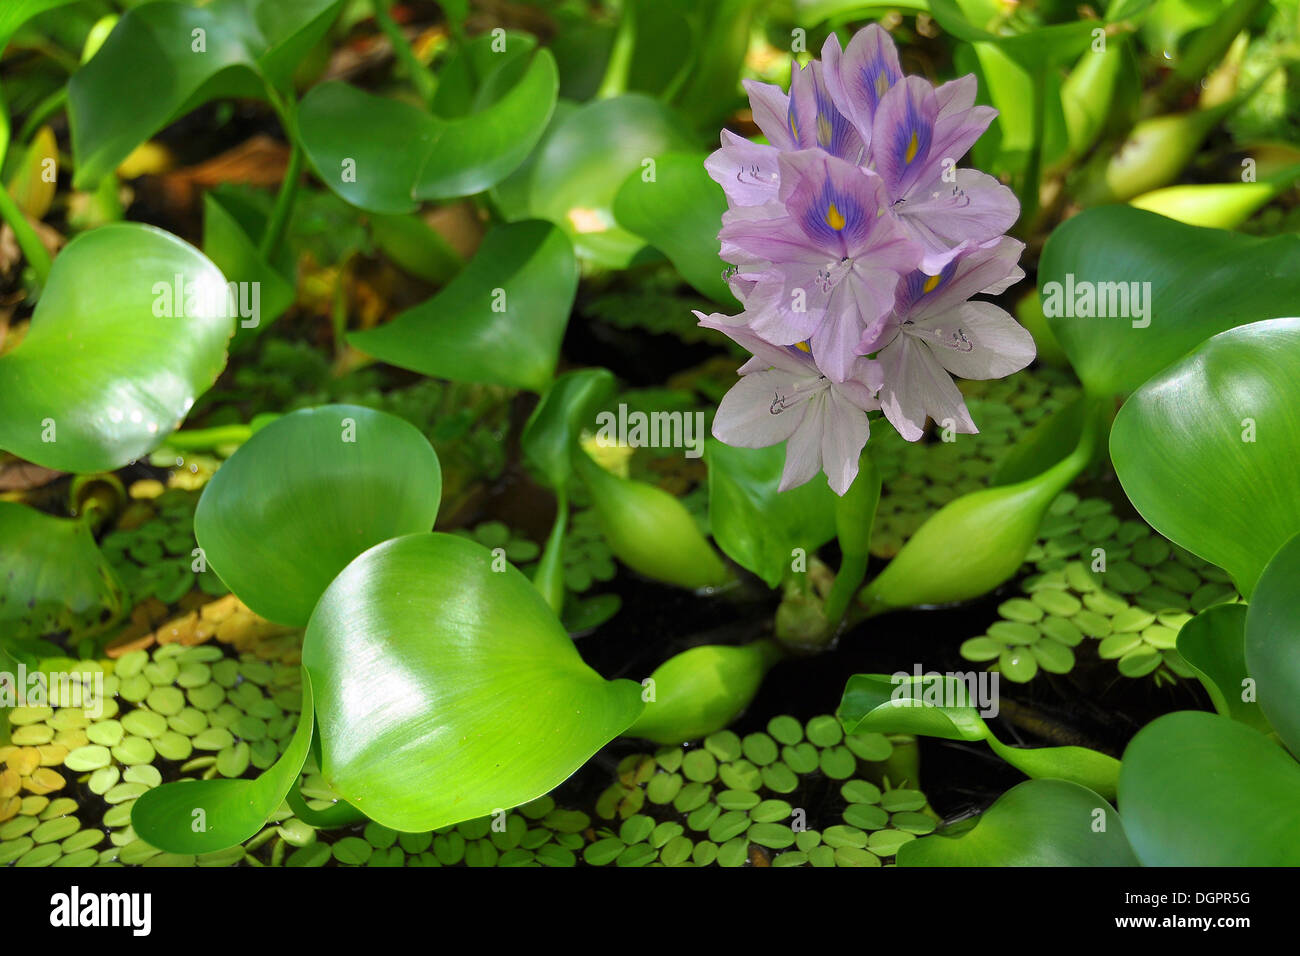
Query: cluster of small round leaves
795, 795
918, 478
1097, 577
151, 550
178, 712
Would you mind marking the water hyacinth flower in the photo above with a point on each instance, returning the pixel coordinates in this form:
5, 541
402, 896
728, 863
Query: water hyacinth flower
856, 243
918, 134
783, 397
822, 260
934, 330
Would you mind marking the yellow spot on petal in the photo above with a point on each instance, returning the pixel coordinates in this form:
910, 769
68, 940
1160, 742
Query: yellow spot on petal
803, 347
882, 84
833, 218
794, 130
912, 147
823, 131
930, 284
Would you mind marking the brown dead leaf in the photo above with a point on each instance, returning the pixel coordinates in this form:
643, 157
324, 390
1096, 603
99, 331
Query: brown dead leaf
258, 161
24, 476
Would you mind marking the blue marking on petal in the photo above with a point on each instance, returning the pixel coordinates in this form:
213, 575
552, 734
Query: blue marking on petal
832, 216
875, 78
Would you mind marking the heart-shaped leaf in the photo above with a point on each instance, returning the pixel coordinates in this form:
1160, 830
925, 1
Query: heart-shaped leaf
757, 526
1054, 43
1273, 642
201, 816
552, 431
1214, 644
1209, 449
677, 210
585, 160
131, 328
479, 69
1035, 823
386, 156
474, 698
1202, 281
876, 702
15, 13
307, 494
164, 59
368, 149
499, 322
52, 575
261, 293
1197, 789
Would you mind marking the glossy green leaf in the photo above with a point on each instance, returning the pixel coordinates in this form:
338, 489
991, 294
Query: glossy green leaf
200, 816
368, 149
678, 211
1214, 644
1203, 281
1220, 426
1036, 823
475, 698
941, 705
14, 13
1273, 642
711, 88
702, 690
472, 154
757, 526
585, 160
164, 59
52, 575
552, 431
1056, 43
386, 156
307, 494
114, 359
499, 322
665, 36
1197, 789
478, 69
898, 704
240, 261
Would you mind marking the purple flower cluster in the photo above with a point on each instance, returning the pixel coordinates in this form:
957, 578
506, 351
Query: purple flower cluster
857, 245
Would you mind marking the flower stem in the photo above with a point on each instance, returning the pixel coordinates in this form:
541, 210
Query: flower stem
422, 78
855, 514
206, 439
38, 257
284, 201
